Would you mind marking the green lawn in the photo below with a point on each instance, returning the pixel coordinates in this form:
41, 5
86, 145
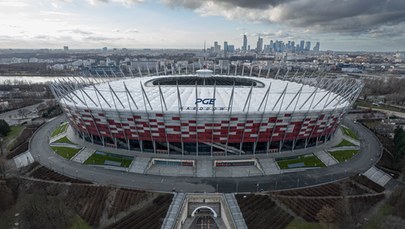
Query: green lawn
348, 132
78, 223
60, 129
343, 155
308, 160
15, 131
377, 219
65, 152
345, 142
64, 140
99, 158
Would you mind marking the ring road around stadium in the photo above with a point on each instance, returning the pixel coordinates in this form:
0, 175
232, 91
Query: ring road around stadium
205, 114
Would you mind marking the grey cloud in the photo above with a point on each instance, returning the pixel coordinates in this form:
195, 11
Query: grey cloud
98, 38
77, 31
250, 4
339, 16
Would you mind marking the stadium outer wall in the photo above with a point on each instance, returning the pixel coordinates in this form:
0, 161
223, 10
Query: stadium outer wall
203, 134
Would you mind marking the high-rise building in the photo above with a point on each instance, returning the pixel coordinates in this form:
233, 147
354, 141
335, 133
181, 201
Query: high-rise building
225, 46
217, 48
66, 48
317, 47
259, 45
244, 46
307, 46
271, 46
231, 48
302, 43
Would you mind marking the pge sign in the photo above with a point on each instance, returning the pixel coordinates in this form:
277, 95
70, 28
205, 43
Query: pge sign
205, 101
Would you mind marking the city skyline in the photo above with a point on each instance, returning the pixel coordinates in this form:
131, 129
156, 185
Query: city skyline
355, 26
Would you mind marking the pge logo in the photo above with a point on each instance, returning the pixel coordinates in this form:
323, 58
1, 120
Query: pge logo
206, 101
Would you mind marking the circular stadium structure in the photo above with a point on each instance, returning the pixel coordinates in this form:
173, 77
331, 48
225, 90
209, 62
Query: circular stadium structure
205, 114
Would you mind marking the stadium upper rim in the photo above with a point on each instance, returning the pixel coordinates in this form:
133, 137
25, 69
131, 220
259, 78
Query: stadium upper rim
208, 93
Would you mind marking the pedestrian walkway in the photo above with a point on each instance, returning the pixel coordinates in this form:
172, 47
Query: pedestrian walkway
204, 168
235, 211
269, 166
378, 176
66, 145
23, 160
83, 155
174, 210
139, 165
326, 158
171, 170
237, 171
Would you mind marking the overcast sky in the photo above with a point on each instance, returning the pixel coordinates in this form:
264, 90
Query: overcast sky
352, 25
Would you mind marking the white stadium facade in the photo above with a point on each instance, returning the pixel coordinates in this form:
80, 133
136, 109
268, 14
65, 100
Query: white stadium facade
206, 114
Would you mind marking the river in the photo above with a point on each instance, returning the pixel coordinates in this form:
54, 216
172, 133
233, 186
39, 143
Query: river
29, 79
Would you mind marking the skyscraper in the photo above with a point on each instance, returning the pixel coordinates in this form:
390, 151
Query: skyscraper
317, 47
225, 46
259, 46
302, 43
217, 48
244, 46
307, 46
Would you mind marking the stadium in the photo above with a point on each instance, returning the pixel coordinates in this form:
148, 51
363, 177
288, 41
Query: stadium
206, 114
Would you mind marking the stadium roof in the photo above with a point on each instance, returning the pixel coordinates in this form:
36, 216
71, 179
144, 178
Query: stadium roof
222, 93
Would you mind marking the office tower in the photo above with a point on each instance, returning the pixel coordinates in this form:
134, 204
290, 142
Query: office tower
307, 46
231, 48
302, 43
259, 45
317, 47
244, 46
217, 48
225, 46
271, 46
66, 48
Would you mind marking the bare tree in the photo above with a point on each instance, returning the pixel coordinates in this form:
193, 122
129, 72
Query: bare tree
326, 215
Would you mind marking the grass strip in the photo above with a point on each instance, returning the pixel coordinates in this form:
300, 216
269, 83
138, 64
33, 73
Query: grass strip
308, 160
65, 152
99, 158
345, 142
348, 132
60, 129
343, 155
64, 140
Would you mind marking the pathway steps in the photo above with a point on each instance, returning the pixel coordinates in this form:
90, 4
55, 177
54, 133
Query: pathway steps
378, 176
326, 158
83, 155
269, 166
204, 168
139, 165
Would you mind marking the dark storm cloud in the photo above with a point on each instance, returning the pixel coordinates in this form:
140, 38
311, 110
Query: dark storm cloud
341, 16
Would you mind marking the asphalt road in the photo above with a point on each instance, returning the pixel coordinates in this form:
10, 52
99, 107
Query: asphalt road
370, 153
13, 117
